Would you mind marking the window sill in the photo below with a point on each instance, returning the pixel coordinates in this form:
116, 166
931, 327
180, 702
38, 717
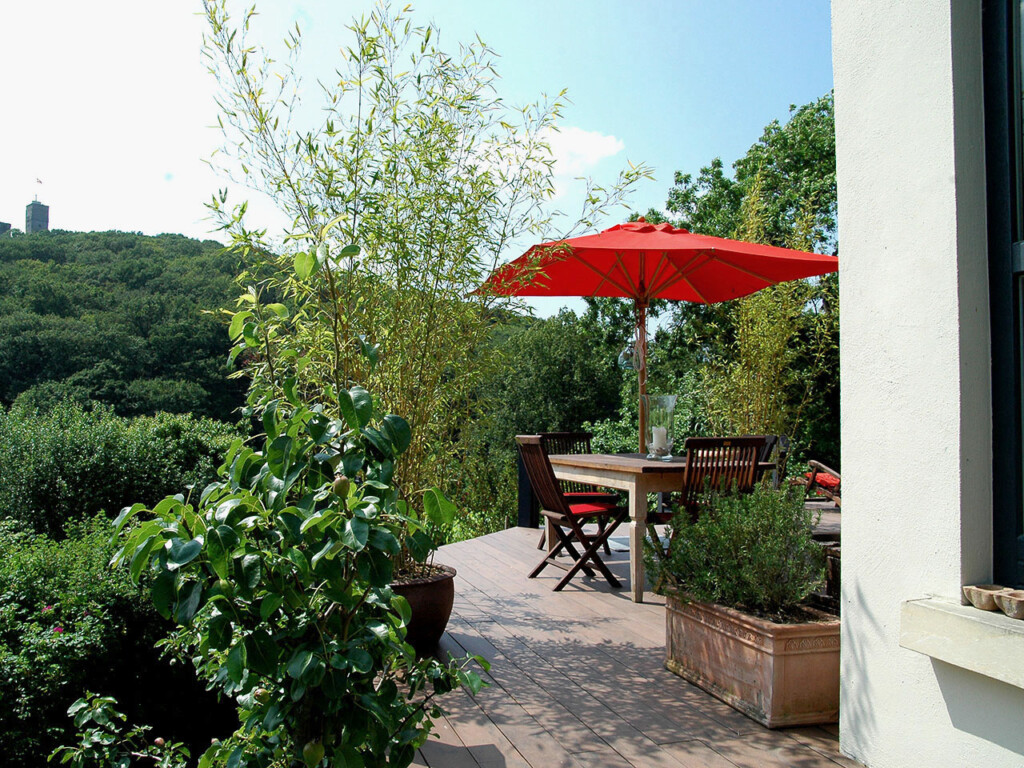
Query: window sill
986, 642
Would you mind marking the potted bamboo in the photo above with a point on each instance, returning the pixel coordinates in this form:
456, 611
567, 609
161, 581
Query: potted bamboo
738, 624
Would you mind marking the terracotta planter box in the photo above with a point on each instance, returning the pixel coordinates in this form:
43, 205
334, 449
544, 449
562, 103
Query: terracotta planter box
777, 674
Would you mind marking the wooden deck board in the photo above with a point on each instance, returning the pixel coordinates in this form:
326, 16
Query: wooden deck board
577, 678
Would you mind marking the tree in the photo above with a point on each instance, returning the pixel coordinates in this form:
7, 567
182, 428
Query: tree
557, 374
116, 318
772, 357
419, 163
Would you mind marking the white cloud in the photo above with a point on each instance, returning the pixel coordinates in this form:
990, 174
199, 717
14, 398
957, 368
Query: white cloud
578, 151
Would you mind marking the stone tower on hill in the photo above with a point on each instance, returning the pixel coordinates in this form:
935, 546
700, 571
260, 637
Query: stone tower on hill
37, 217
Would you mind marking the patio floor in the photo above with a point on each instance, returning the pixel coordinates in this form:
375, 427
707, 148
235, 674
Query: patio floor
577, 679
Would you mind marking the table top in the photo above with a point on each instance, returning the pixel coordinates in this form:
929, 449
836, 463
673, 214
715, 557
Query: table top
633, 463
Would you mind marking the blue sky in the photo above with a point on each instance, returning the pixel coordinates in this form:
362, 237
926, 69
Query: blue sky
108, 103
677, 83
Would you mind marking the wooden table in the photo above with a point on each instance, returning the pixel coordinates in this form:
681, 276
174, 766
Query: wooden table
631, 472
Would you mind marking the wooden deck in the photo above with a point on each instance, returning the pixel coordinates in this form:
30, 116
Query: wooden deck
577, 680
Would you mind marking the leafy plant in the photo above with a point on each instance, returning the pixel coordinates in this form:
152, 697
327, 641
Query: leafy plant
69, 623
762, 381
65, 465
434, 176
750, 551
104, 742
279, 578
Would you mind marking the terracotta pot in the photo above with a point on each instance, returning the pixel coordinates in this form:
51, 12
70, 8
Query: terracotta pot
430, 598
983, 596
778, 674
1011, 603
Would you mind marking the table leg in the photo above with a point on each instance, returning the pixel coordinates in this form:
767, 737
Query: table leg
637, 534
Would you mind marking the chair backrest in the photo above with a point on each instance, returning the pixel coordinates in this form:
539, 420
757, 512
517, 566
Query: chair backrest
718, 463
775, 451
542, 476
567, 442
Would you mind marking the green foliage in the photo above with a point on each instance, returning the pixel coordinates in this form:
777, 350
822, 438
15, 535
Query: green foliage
750, 551
557, 373
761, 381
69, 623
795, 162
104, 742
769, 362
116, 318
67, 464
619, 435
279, 579
419, 162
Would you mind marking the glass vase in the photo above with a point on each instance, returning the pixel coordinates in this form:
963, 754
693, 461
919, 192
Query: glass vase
659, 438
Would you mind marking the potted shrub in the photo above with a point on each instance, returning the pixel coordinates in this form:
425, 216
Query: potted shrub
737, 580
279, 576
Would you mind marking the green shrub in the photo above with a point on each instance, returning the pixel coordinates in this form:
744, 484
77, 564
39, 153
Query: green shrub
69, 463
69, 623
107, 741
554, 374
751, 551
279, 578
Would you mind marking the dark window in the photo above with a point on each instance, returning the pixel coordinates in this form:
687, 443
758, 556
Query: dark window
1004, 150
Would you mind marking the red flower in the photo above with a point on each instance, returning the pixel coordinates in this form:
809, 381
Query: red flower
58, 630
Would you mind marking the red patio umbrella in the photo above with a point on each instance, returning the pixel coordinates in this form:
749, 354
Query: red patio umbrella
642, 261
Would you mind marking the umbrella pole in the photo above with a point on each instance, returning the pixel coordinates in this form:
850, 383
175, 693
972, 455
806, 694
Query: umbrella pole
641, 351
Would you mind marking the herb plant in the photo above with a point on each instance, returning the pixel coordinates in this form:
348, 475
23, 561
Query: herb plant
750, 551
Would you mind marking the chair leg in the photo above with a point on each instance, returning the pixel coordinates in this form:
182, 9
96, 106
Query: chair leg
577, 556
659, 547
546, 561
600, 529
543, 538
590, 553
564, 542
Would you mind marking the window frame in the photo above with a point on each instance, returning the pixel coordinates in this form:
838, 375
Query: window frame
1004, 151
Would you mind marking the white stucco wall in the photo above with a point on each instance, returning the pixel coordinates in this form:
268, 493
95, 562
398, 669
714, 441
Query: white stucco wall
916, 412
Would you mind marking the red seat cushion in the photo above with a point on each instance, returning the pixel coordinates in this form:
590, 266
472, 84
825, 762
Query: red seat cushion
591, 497
824, 479
595, 508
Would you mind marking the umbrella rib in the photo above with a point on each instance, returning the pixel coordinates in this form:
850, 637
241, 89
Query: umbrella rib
657, 288
604, 277
744, 270
681, 273
622, 268
694, 289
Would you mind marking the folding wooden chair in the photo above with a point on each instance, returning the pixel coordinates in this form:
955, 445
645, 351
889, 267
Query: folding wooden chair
772, 457
576, 493
562, 515
821, 481
715, 464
